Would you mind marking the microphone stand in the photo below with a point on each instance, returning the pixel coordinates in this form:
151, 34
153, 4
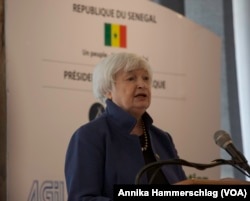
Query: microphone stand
199, 166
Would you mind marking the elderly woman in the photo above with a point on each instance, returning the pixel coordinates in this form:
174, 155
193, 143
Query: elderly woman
113, 148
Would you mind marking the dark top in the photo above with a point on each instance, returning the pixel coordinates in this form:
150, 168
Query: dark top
149, 157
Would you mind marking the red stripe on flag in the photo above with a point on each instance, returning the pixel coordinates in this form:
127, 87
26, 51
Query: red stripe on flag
123, 37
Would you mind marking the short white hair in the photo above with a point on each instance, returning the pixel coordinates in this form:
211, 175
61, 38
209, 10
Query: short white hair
105, 71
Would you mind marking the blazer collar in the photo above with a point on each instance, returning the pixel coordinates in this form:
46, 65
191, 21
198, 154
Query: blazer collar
122, 119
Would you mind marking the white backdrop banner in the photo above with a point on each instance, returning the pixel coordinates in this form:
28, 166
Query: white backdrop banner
52, 47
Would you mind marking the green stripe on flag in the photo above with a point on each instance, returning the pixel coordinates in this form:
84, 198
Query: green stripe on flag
107, 34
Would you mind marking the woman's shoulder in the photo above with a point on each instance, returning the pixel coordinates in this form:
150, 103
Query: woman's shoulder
160, 132
92, 128
89, 136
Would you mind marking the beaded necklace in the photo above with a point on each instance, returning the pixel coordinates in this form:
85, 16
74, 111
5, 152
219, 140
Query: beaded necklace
145, 146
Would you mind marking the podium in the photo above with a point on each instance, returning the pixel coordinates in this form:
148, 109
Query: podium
225, 181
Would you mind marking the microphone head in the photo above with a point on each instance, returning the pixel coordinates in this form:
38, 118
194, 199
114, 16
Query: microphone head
222, 138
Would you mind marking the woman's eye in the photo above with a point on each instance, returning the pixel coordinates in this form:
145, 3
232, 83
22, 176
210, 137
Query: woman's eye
130, 78
146, 78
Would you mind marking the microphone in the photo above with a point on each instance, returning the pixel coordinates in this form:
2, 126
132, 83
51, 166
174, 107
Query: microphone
223, 140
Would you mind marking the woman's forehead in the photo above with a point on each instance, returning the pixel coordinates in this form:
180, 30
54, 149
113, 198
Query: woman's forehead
133, 70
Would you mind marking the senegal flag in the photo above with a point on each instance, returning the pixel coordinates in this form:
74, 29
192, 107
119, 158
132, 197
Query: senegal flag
115, 35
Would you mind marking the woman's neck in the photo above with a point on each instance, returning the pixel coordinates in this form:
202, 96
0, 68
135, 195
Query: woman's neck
137, 130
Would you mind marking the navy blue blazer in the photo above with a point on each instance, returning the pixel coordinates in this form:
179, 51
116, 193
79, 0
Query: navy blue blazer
102, 153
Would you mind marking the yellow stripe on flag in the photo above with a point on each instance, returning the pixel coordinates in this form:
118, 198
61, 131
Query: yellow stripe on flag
115, 35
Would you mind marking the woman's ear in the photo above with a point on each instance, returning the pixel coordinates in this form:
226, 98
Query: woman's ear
109, 95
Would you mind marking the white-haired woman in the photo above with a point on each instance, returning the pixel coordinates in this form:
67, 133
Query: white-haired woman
113, 148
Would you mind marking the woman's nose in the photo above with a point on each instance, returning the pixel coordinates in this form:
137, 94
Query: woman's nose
141, 83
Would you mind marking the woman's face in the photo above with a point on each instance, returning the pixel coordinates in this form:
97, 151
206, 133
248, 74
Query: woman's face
132, 91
